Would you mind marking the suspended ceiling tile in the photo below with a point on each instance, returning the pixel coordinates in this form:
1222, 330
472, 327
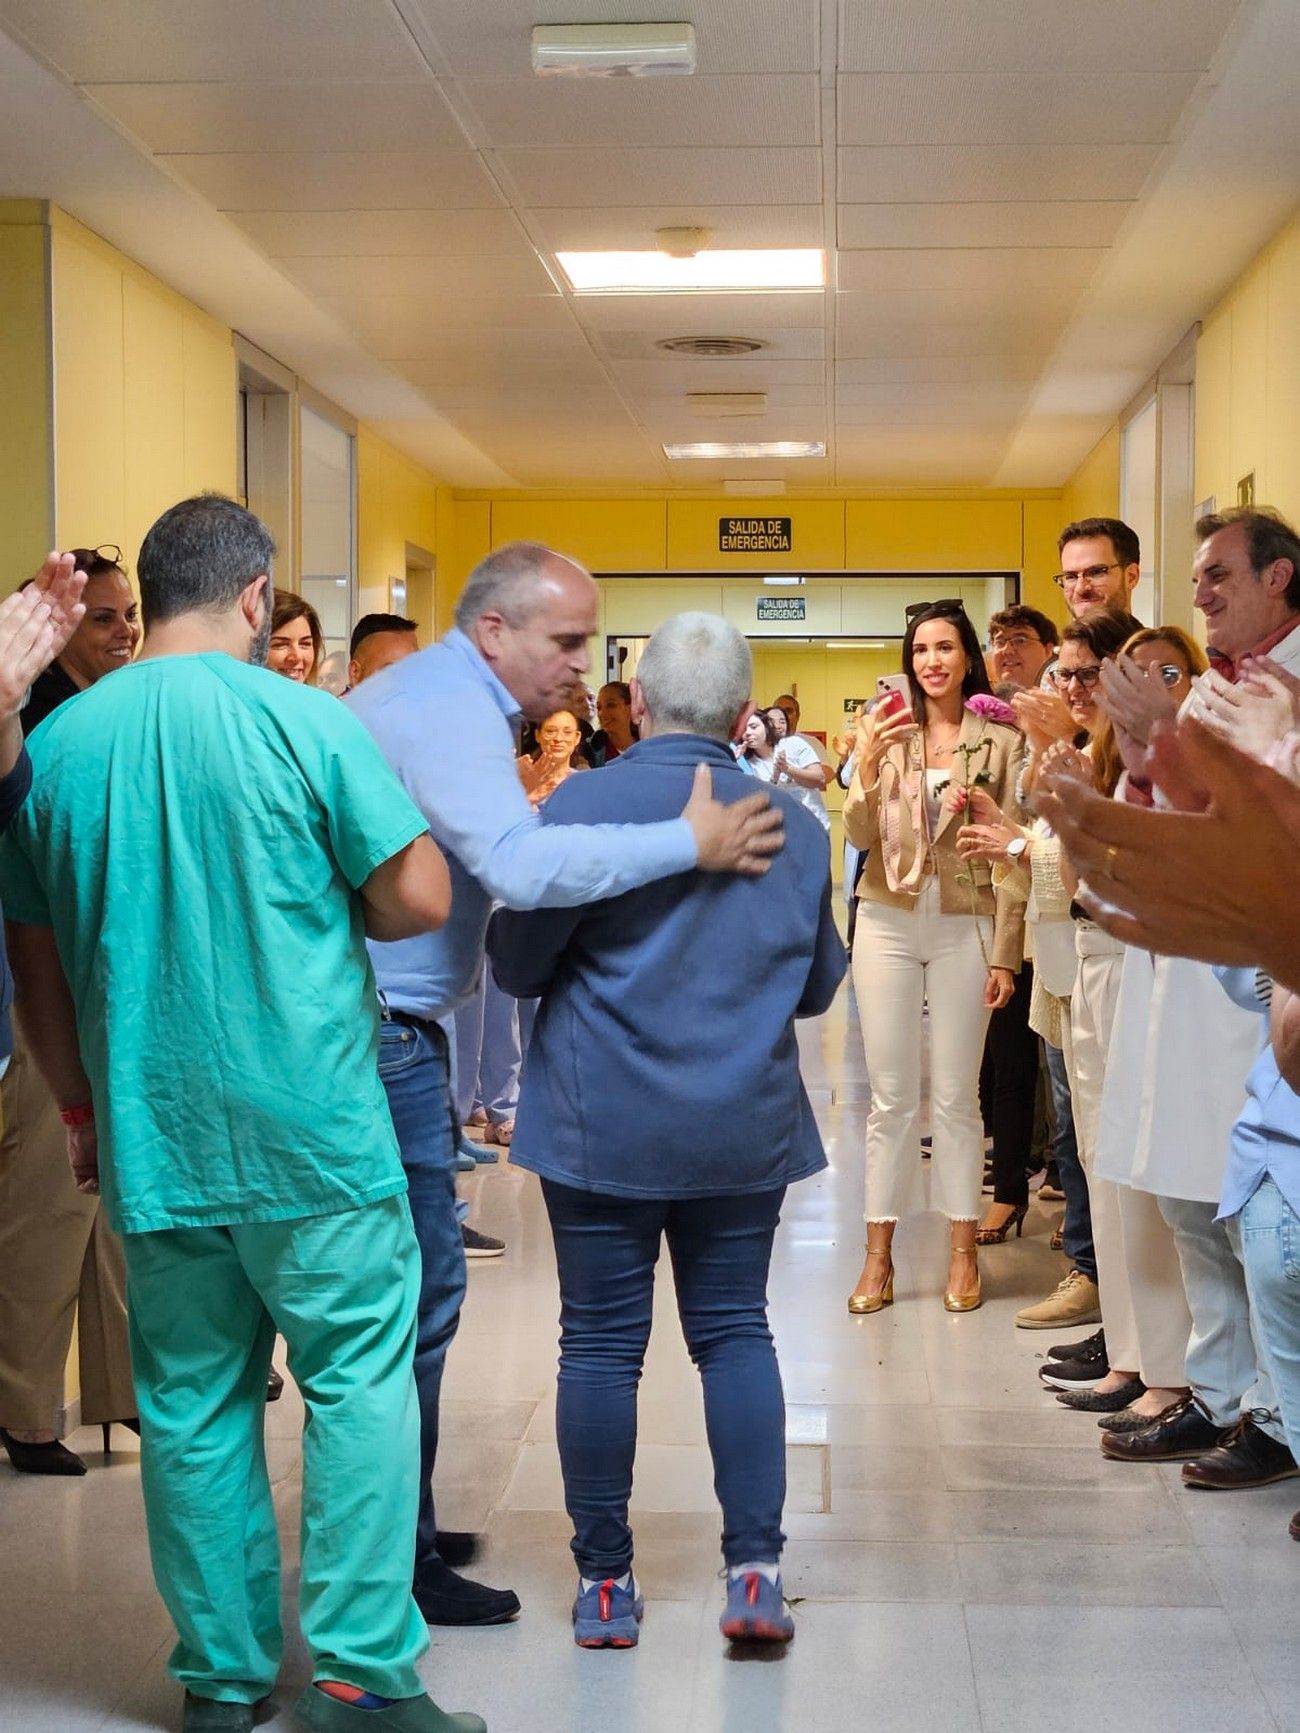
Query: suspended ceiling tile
1026, 35
495, 371
387, 234
612, 229
623, 112
1009, 107
660, 391
1001, 412
435, 280
962, 367
1060, 223
954, 173
969, 307
680, 373
434, 343
796, 344
490, 38
283, 117
151, 41
883, 397
668, 315
660, 177
678, 422
896, 337
379, 180
1023, 270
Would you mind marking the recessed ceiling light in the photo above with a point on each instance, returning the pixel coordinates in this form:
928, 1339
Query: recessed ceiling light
612, 50
779, 448
853, 644
782, 578
734, 270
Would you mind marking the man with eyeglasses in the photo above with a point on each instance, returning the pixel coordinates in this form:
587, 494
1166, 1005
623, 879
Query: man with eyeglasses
1023, 641
1101, 563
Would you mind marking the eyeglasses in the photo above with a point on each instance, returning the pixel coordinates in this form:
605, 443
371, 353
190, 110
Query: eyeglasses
951, 605
1170, 673
1086, 677
109, 554
1093, 574
1014, 640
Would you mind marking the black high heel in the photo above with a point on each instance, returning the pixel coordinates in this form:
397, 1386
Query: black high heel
52, 1458
106, 1428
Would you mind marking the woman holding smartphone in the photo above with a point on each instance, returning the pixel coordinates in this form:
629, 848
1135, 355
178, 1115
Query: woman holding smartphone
929, 931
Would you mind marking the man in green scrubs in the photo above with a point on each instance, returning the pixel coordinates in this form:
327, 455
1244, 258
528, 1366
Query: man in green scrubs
189, 889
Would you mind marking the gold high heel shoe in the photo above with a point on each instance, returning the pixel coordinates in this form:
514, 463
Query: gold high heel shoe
965, 1302
862, 1304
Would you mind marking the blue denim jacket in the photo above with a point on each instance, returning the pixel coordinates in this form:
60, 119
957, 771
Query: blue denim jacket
1266, 1138
664, 1062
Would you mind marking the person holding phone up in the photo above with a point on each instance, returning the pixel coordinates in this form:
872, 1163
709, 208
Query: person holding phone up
930, 931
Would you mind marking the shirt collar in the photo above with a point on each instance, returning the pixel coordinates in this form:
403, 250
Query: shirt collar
1226, 666
502, 697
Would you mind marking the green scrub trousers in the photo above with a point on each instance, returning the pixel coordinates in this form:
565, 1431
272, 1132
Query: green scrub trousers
205, 1304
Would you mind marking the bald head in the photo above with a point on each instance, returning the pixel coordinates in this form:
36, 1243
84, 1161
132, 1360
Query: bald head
530, 613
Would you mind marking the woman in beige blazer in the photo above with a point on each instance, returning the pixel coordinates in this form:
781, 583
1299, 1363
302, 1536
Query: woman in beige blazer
930, 931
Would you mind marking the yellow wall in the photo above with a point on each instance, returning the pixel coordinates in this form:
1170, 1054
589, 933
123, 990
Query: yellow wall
1093, 489
397, 502
144, 390
1248, 383
26, 431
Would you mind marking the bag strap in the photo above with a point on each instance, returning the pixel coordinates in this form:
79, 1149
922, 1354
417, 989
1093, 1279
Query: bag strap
902, 808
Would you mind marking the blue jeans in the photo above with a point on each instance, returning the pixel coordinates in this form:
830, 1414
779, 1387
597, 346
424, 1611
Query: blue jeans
1076, 1231
606, 1249
1270, 1247
414, 1069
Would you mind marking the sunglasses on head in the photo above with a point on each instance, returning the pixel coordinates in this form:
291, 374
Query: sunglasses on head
107, 555
949, 609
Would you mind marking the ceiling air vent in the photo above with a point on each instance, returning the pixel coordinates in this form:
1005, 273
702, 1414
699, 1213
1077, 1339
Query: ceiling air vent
711, 345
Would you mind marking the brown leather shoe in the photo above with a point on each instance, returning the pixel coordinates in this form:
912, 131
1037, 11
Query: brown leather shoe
1245, 1456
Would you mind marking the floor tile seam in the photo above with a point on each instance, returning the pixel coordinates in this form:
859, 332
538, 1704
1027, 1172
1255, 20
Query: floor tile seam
974, 1670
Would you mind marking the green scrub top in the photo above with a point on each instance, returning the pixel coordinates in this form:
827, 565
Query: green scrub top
195, 836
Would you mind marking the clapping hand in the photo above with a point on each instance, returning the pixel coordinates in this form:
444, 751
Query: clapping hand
987, 832
35, 625
1254, 713
1135, 703
1044, 716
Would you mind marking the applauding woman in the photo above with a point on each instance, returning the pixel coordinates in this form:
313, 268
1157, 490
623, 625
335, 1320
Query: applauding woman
930, 931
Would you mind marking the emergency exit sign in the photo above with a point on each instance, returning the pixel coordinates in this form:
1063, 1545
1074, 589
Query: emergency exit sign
782, 608
755, 535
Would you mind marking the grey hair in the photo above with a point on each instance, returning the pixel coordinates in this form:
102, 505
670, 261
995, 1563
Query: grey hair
508, 582
199, 556
696, 674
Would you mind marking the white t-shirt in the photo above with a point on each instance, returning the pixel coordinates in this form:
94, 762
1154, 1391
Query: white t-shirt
800, 753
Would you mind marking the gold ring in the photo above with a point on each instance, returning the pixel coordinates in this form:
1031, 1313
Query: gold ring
1112, 855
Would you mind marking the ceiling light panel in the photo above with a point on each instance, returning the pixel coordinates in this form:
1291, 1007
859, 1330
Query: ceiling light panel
728, 269
745, 450
613, 50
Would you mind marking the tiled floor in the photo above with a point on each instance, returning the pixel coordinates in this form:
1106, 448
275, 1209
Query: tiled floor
961, 1555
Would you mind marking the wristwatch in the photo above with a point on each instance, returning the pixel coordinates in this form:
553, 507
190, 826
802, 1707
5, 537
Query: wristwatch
1016, 848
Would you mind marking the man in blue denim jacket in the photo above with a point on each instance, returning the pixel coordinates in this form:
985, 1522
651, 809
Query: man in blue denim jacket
663, 1098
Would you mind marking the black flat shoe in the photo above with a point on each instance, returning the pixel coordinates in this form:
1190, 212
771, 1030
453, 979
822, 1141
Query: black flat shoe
52, 1458
458, 1547
206, 1715
1097, 1402
1185, 1431
447, 1599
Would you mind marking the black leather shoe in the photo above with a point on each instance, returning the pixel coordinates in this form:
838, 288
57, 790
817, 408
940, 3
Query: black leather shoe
206, 1715
1102, 1402
1185, 1431
1244, 1456
53, 1458
447, 1599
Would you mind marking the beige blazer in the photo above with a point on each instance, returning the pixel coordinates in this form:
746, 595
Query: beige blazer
1002, 916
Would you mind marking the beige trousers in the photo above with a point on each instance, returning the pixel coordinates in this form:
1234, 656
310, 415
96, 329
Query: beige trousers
59, 1260
1142, 1299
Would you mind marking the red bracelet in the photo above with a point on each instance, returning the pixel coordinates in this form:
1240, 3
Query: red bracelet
83, 1115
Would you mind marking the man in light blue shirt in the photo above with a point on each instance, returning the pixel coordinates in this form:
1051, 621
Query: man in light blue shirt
447, 721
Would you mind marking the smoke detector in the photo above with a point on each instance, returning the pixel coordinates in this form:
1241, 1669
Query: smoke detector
682, 243
715, 346
723, 405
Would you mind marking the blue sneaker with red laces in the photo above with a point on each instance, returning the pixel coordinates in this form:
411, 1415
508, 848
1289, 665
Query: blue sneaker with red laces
606, 1616
756, 1611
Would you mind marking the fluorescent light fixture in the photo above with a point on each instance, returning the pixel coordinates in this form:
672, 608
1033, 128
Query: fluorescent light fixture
724, 270
747, 450
782, 578
612, 50
852, 644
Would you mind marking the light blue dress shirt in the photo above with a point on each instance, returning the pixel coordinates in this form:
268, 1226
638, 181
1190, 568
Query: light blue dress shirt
1266, 1138
446, 725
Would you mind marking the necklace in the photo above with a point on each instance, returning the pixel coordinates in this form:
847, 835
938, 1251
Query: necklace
942, 750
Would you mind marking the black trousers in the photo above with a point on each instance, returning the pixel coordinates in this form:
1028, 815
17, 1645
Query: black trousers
1009, 1091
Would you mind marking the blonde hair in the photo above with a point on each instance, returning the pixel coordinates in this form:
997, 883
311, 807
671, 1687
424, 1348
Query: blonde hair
1192, 653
